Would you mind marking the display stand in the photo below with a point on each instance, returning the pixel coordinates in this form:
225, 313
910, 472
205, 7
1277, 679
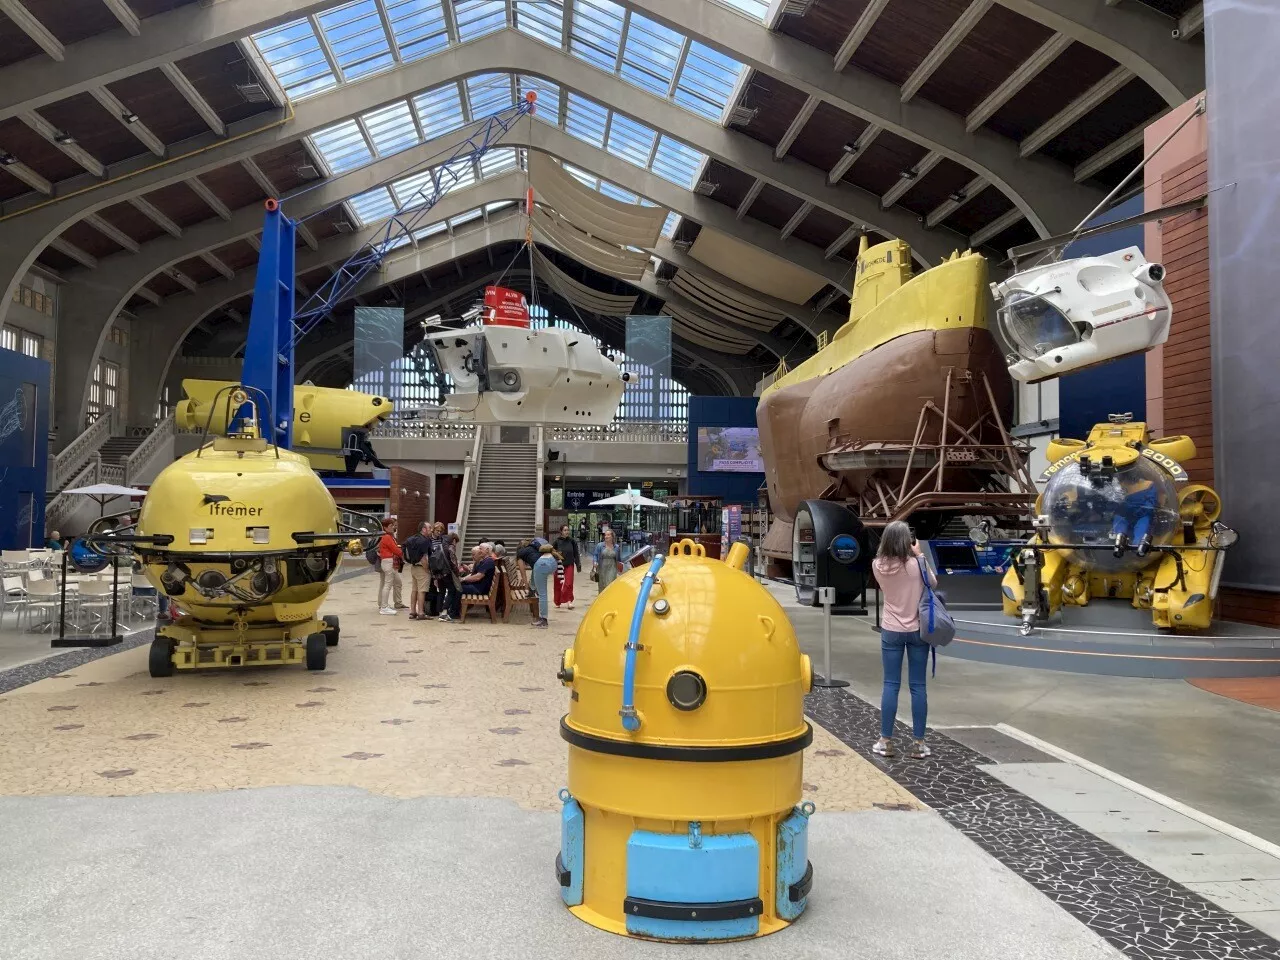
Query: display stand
92, 640
827, 596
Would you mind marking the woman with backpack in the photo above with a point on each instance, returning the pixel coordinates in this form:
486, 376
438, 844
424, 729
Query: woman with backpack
900, 571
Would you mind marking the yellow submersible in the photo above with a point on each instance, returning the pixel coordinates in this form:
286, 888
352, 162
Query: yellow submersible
682, 818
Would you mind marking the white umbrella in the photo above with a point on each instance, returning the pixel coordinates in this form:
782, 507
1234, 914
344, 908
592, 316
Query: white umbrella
102, 492
629, 499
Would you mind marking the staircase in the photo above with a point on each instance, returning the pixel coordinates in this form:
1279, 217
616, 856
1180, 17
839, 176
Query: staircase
504, 505
116, 450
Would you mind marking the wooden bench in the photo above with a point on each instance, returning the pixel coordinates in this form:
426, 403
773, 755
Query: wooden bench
517, 591
487, 600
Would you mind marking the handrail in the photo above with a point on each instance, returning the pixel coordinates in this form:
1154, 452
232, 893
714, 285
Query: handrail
56, 510
141, 456
470, 477
71, 458
541, 485
408, 429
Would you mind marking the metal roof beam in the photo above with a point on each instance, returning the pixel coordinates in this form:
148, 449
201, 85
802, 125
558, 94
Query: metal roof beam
152, 213
34, 29
1114, 151
1134, 35
852, 152
64, 142
995, 228
1191, 23
128, 19
113, 106
1077, 109
1044, 190
753, 191
842, 241
264, 182
214, 261
66, 248
16, 168
114, 234
182, 32
859, 33
797, 218
955, 202
963, 26
211, 200
909, 179
793, 131
198, 103
146, 293
174, 273
1030, 68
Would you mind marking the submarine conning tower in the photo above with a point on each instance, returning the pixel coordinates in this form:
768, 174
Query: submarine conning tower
682, 819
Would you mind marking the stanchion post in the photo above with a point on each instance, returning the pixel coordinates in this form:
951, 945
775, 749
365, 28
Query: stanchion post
115, 592
62, 609
826, 597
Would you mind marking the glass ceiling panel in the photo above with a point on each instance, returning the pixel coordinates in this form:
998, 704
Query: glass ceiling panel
355, 35
631, 141
391, 128
342, 146
543, 19
467, 217
669, 227
498, 161
418, 27
294, 55
707, 81
439, 110
477, 18
596, 31
548, 98
488, 93
586, 120
755, 9
372, 206
651, 55
678, 163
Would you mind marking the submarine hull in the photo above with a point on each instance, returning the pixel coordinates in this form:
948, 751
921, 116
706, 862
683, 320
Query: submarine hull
876, 398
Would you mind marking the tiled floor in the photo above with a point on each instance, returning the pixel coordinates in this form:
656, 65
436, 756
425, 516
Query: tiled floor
404, 709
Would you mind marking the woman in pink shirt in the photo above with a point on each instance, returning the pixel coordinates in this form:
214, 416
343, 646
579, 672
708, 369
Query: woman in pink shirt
897, 569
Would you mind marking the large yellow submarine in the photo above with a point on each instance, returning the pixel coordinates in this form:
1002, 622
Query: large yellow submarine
330, 426
243, 537
1117, 519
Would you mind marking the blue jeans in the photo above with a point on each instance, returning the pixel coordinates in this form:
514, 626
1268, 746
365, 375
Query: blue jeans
543, 568
892, 646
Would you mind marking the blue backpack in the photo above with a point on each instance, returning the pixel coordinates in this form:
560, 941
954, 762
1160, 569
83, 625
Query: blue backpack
936, 626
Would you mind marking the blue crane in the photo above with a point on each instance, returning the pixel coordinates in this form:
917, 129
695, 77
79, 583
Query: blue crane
276, 327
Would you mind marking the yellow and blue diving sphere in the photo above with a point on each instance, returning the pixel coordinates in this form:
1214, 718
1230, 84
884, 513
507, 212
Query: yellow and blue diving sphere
686, 730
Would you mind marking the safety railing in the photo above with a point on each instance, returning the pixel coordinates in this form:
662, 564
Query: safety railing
626, 431
111, 473
470, 477
59, 508
71, 458
417, 428
137, 461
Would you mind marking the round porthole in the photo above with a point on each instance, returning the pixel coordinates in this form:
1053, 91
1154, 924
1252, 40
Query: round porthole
686, 690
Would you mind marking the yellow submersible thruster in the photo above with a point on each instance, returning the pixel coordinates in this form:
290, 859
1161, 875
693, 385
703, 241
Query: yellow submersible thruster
682, 819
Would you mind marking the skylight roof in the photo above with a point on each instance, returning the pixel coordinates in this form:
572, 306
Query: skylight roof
363, 37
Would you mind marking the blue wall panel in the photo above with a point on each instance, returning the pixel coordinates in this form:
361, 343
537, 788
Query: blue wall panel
1089, 396
721, 412
24, 449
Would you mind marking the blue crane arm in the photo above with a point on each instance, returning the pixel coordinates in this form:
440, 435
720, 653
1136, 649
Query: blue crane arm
276, 327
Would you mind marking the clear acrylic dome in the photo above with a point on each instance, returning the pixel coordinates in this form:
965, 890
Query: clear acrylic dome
1138, 500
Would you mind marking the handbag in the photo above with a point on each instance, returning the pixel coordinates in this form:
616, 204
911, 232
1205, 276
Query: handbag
937, 628
595, 576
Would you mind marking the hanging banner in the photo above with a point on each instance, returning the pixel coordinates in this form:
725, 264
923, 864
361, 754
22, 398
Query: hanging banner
505, 308
649, 343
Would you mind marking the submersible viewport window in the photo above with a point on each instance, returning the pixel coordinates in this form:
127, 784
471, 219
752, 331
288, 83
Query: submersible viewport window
686, 690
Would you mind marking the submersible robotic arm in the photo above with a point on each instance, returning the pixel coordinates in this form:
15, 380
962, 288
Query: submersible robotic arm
275, 328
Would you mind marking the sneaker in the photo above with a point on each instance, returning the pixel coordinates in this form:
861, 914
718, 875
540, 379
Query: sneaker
539, 623
884, 748
569, 606
387, 611
919, 750
445, 618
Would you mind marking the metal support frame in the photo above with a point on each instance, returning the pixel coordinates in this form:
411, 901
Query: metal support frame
268, 355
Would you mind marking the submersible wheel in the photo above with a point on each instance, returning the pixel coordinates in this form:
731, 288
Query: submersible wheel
317, 651
331, 630
160, 660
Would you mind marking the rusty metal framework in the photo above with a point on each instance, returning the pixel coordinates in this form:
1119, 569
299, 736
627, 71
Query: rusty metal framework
974, 468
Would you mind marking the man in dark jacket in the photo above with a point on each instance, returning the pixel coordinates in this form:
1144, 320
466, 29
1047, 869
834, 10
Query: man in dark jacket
567, 547
415, 551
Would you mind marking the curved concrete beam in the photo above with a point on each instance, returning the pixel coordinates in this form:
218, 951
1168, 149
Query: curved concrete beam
1131, 34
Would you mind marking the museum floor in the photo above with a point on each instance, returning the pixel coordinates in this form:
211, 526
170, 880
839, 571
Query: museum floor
402, 803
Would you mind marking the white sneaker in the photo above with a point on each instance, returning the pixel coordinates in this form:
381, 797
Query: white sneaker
569, 606
387, 611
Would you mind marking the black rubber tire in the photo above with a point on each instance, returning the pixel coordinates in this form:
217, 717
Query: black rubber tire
160, 660
331, 630
317, 651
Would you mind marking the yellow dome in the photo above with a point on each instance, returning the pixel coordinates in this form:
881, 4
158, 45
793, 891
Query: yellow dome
740, 675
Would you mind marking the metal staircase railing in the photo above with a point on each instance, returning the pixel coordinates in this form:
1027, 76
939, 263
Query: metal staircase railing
71, 459
137, 461
470, 477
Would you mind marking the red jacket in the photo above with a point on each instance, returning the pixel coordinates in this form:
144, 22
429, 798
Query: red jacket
388, 548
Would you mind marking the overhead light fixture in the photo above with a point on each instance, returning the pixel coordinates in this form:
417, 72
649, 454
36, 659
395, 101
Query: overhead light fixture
65, 139
706, 188
851, 147
958, 197
307, 171
908, 174
741, 116
129, 117
252, 92
7, 159
343, 226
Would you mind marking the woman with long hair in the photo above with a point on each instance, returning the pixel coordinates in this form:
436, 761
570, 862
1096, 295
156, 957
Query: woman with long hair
900, 571
608, 559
